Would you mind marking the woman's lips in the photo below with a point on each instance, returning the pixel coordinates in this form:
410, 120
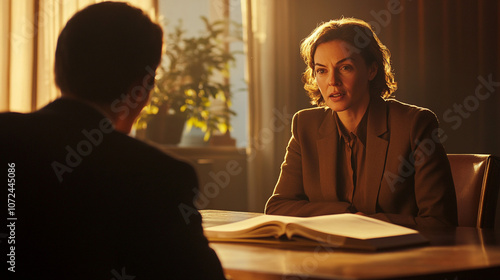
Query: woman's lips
336, 95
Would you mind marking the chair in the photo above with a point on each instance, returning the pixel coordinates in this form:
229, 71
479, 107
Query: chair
477, 181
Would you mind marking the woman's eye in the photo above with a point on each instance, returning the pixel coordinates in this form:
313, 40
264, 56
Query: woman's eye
346, 68
320, 71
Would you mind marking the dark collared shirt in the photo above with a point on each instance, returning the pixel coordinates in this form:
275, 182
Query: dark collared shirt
351, 158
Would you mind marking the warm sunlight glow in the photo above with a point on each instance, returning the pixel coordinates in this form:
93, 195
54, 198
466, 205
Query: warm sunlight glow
27, 49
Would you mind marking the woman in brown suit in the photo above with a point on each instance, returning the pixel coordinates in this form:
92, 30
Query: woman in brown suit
360, 151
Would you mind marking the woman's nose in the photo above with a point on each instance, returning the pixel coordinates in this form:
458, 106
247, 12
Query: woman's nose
334, 79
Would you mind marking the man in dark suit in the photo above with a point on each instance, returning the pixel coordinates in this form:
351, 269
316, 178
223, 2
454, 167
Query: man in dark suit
88, 201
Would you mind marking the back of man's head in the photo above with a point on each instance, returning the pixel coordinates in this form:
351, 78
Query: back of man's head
104, 49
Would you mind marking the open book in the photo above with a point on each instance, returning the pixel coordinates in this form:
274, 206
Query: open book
340, 230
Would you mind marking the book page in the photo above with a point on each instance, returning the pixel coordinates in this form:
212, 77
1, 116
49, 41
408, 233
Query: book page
261, 226
349, 225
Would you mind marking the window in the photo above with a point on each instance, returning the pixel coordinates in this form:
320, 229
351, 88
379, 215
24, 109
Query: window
189, 14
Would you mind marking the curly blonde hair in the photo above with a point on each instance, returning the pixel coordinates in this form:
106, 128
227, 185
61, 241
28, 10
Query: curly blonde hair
360, 36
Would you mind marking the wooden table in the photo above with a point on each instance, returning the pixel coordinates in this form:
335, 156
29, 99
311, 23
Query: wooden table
456, 253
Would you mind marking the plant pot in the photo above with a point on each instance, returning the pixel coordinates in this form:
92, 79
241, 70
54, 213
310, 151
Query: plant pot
166, 129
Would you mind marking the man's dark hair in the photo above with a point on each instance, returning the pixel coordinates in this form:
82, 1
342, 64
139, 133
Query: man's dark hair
104, 49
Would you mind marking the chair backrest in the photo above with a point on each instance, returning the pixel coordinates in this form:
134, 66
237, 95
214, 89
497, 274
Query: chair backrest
477, 181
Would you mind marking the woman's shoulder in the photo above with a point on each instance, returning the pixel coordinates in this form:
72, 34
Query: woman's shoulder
400, 108
309, 122
404, 113
313, 112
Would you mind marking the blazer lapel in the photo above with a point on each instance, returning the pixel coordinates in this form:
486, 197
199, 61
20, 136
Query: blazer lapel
376, 152
327, 155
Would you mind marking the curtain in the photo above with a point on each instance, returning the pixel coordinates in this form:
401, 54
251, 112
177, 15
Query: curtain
446, 58
269, 84
27, 48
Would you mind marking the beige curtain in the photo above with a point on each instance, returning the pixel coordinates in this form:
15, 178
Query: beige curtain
29, 30
269, 84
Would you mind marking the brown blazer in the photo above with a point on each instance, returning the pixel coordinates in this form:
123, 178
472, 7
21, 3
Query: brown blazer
408, 180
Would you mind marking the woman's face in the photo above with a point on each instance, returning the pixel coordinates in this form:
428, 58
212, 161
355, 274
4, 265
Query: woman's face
343, 77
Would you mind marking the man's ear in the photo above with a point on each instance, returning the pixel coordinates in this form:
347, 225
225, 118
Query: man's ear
372, 71
141, 89
148, 81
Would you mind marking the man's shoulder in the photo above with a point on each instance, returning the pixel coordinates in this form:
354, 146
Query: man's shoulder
45, 139
4, 116
9, 118
142, 155
146, 151
17, 127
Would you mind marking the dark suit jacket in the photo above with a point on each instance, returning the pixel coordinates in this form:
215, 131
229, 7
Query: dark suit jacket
93, 203
408, 178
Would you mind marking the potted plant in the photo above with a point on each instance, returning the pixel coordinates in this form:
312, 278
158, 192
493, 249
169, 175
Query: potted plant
192, 86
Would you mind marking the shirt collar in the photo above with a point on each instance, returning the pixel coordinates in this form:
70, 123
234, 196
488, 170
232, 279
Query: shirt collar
359, 132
